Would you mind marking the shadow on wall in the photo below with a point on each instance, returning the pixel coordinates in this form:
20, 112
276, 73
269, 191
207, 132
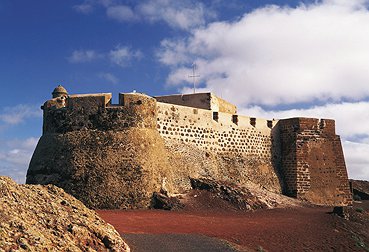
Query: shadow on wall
276, 157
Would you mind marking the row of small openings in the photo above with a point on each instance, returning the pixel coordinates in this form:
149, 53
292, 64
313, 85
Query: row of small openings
235, 120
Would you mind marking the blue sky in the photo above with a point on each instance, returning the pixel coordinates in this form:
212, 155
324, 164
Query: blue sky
274, 59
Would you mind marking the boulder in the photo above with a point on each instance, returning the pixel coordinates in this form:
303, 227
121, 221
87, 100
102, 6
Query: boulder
165, 202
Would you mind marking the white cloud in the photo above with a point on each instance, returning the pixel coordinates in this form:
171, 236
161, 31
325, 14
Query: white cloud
279, 55
109, 77
15, 156
82, 56
357, 159
122, 55
183, 14
83, 8
121, 13
177, 14
17, 114
88, 6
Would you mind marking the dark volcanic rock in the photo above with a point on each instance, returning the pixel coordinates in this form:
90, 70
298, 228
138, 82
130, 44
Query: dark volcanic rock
360, 188
45, 218
240, 197
163, 201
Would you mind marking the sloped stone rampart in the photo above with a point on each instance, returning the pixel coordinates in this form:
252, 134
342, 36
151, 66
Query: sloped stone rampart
104, 169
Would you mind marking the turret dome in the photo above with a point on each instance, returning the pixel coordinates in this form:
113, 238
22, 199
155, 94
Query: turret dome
59, 91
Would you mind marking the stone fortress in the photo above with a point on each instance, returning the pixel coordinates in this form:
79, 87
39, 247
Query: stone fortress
116, 155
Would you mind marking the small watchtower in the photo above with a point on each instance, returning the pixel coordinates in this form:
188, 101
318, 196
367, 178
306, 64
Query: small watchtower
59, 91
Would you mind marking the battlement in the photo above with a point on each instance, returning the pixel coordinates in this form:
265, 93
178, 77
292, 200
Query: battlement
305, 125
95, 111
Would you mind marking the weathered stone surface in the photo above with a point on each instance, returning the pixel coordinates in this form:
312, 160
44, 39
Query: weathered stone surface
191, 161
104, 169
45, 218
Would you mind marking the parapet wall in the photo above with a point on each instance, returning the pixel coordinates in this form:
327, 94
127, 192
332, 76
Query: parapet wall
200, 100
82, 112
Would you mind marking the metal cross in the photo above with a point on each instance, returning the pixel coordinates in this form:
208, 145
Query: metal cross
194, 76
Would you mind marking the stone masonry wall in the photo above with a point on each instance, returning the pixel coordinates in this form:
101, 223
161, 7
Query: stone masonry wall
220, 145
313, 161
215, 131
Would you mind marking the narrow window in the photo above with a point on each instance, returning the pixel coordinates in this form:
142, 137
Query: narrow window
270, 123
235, 119
253, 121
215, 116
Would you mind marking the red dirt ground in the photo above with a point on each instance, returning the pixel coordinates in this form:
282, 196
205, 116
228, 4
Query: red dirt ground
281, 229
298, 229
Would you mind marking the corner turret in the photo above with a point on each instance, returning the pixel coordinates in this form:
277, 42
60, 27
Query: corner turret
59, 91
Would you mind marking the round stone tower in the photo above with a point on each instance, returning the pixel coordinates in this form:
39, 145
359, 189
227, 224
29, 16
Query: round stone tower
59, 91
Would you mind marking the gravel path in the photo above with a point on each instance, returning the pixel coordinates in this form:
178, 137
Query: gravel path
175, 242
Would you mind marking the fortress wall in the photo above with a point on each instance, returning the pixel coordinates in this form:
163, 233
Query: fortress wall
313, 161
214, 133
89, 101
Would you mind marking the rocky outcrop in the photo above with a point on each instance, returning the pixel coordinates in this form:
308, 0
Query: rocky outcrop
249, 197
165, 202
360, 189
45, 218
